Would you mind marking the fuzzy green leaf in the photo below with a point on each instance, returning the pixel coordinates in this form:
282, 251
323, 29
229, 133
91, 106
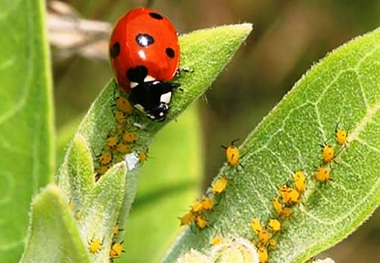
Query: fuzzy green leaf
76, 175
54, 235
99, 214
342, 91
26, 123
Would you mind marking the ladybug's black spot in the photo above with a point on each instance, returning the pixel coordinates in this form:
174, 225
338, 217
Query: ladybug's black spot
156, 16
115, 50
144, 40
170, 52
137, 74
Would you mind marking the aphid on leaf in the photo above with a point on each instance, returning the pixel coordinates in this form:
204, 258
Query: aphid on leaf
105, 158
328, 153
341, 136
277, 205
207, 203
130, 137
299, 181
95, 245
256, 225
200, 221
263, 254
219, 185
323, 174
187, 219
216, 241
232, 154
123, 105
275, 225
116, 250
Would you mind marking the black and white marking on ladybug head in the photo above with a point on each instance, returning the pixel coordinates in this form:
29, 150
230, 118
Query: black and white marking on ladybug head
147, 79
158, 113
153, 98
166, 97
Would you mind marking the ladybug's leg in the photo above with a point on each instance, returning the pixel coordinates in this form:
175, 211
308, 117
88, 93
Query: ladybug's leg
180, 70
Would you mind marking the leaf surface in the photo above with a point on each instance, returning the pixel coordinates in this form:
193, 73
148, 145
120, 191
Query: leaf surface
26, 122
342, 91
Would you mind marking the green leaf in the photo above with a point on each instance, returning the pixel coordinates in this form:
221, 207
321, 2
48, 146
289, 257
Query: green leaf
99, 214
26, 122
76, 178
342, 91
54, 235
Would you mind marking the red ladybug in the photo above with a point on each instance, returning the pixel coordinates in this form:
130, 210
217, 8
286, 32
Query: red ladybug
144, 54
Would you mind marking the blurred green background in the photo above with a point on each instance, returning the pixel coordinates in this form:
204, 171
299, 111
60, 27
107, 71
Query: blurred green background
288, 38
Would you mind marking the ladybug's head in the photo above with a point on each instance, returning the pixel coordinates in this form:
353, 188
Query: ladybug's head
158, 113
153, 98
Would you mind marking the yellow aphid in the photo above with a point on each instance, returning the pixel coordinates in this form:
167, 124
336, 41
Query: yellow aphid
197, 207
95, 245
323, 174
256, 225
187, 219
123, 105
143, 156
120, 117
286, 213
232, 154
102, 169
341, 136
216, 241
289, 195
124, 148
275, 225
105, 158
299, 181
130, 137
294, 196
219, 185
272, 243
116, 250
116, 230
111, 141
207, 203
283, 190
328, 153
263, 254
71, 206
277, 205
200, 221
263, 236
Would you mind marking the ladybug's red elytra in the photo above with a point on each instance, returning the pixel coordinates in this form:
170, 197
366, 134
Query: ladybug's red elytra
144, 55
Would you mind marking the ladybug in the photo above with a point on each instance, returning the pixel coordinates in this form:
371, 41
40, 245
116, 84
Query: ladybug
144, 55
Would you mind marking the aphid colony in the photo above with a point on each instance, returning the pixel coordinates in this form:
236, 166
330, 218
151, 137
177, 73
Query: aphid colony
95, 245
289, 196
206, 203
198, 211
121, 140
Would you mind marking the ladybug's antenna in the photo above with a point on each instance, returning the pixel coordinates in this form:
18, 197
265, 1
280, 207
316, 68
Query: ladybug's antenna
149, 3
